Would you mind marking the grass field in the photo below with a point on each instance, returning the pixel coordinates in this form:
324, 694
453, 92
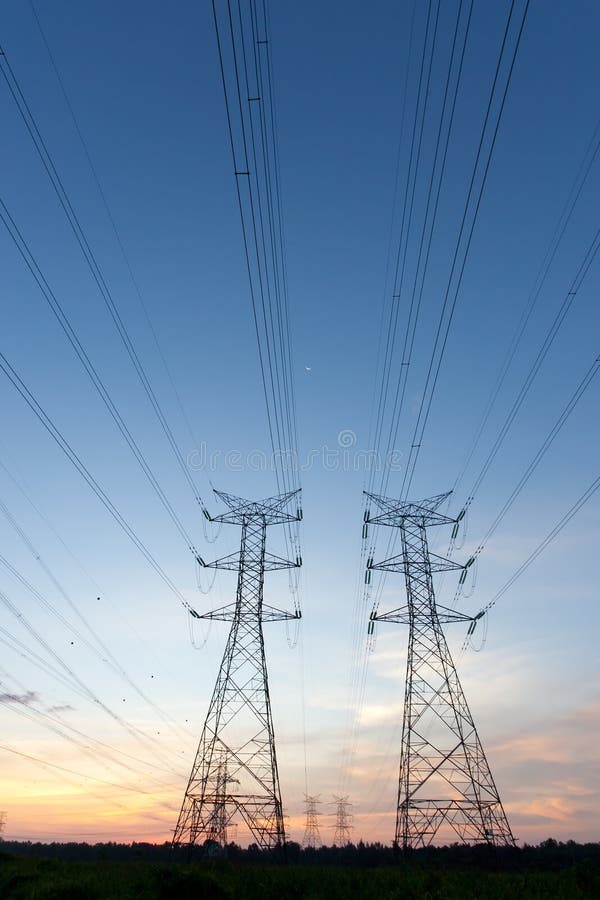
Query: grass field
23, 878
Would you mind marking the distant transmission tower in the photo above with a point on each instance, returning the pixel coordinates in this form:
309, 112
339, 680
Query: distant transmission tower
235, 769
2, 823
343, 818
312, 836
445, 779
219, 815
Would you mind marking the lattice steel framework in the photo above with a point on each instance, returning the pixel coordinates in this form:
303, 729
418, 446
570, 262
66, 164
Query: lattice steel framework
312, 835
445, 780
235, 770
2, 823
218, 821
343, 819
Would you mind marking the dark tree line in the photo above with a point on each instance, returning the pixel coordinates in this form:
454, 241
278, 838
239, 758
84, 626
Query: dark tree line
550, 855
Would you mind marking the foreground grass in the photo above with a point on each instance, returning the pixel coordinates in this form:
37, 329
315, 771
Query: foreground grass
41, 879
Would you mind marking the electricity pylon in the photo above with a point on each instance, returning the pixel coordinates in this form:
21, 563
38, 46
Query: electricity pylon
445, 779
341, 834
219, 817
312, 835
2, 823
235, 769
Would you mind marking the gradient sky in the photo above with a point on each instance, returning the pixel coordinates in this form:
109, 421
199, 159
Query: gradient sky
144, 83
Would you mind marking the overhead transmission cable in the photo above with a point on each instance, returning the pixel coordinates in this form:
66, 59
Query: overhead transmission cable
583, 171
509, 419
115, 230
423, 89
412, 321
410, 330
64, 322
549, 338
358, 684
548, 440
552, 534
57, 725
251, 122
581, 388
431, 220
434, 369
422, 99
64, 445
72, 676
379, 362
467, 227
581, 176
90, 259
21, 649
400, 269
59, 675
98, 647
49, 765
26, 492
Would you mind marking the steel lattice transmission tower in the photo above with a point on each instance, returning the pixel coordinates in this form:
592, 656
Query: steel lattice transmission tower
2, 823
343, 818
445, 780
218, 819
312, 835
235, 770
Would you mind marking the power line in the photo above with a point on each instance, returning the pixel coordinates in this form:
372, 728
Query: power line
23, 706
455, 53
467, 226
90, 259
99, 648
441, 342
72, 676
358, 681
64, 445
415, 144
25, 652
548, 440
553, 330
564, 219
249, 98
118, 238
552, 534
90, 369
411, 330
26, 491
48, 765
422, 419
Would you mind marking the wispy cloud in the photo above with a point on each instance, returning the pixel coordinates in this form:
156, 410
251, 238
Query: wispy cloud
27, 699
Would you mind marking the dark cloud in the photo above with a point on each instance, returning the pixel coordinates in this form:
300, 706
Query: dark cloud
65, 707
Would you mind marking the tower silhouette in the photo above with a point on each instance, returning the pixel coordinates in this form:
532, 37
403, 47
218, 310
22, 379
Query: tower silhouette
445, 780
235, 774
342, 827
312, 835
219, 816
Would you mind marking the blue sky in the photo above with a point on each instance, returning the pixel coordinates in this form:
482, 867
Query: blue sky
143, 81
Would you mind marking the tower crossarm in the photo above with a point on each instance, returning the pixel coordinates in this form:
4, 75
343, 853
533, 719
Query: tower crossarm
401, 616
272, 511
232, 561
269, 614
398, 563
393, 512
